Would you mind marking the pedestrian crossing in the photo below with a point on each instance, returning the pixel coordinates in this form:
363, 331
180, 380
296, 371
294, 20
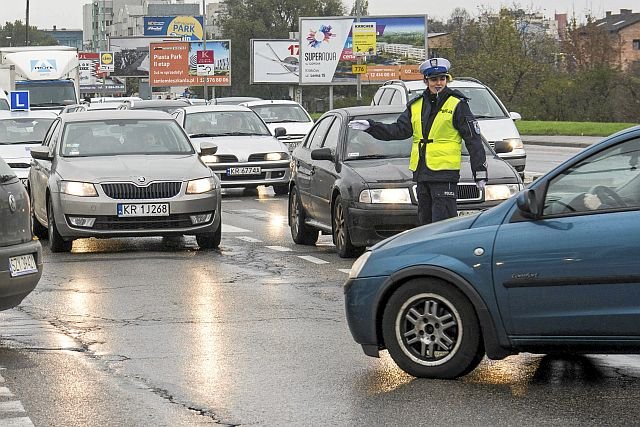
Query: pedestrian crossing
12, 413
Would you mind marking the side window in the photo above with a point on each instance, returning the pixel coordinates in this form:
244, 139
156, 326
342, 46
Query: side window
321, 131
385, 99
55, 137
52, 129
608, 180
376, 97
396, 99
331, 141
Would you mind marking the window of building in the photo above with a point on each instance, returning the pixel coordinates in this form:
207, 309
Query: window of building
636, 44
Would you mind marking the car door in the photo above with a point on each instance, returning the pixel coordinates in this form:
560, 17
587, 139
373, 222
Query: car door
40, 171
326, 174
574, 272
305, 169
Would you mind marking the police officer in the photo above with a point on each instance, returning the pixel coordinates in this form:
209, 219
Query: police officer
438, 121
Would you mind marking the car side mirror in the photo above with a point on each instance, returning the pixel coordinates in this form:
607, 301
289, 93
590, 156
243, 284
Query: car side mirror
41, 153
322, 154
278, 132
515, 116
208, 149
528, 204
502, 147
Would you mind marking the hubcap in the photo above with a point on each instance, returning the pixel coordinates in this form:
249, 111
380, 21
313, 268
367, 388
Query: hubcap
339, 226
294, 213
429, 329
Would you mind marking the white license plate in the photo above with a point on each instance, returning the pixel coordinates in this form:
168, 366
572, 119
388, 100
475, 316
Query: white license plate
468, 212
143, 209
252, 170
23, 264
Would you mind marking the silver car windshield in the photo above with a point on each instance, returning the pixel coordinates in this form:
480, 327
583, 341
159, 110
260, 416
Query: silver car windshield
124, 137
23, 130
482, 104
281, 113
224, 123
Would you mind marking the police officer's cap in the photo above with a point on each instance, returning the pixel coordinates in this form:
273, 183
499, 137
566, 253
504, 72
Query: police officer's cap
435, 67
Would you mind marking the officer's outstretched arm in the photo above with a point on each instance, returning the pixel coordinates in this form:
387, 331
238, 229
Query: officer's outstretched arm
467, 125
401, 129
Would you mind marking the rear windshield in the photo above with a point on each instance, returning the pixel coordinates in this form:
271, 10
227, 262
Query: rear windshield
124, 137
281, 113
222, 123
482, 103
24, 130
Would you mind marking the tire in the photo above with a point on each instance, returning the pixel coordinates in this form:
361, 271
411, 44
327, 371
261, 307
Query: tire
39, 230
281, 189
56, 242
341, 234
447, 342
301, 233
210, 240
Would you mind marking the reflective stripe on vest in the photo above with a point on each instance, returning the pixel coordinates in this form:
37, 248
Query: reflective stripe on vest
445, 150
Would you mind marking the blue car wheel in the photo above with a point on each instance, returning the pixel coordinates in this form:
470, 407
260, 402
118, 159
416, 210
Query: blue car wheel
431, 330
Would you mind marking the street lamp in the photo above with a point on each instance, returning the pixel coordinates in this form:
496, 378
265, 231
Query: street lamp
26, 31
9, 40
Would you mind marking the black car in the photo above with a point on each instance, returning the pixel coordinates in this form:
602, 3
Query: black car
360, 190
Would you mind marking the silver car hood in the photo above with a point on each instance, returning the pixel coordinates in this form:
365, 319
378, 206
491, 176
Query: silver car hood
163, 167
243, 146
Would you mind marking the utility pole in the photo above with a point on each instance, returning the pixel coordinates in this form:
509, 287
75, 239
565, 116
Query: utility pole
26, 31
204, 45
359, 61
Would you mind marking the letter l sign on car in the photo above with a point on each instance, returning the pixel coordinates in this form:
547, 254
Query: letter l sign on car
19, 100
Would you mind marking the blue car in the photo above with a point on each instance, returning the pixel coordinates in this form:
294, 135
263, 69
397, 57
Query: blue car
554, 268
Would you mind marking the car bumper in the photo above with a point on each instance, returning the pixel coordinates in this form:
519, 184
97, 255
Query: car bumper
272, 173
368, 226
108, 224
14, 289
361, 298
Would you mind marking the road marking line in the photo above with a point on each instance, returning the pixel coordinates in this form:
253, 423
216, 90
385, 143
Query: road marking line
5, 392
17, 422
13, 406
231, 229
279, 248
313, 259
345, 270
248, 239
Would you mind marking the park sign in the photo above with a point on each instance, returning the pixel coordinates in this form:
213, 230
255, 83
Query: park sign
327, 50
176, 63
188, 28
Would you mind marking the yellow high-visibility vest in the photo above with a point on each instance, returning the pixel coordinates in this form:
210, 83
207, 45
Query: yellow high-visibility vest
445, 152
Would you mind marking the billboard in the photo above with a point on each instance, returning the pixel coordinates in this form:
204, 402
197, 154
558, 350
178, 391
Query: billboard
176, 63
275, 61
187, 28
326, 54
88, 68
131, 55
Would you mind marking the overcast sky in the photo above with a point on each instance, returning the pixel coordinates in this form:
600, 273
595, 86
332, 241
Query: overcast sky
68, 13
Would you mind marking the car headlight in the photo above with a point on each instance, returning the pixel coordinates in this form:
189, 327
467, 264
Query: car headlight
210, 159
500, 191
514, 143
357, 266
385, 195
80, 189
276, 156
202, 185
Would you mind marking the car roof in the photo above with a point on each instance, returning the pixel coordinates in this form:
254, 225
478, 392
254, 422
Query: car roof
84, 116
234, 99
157, 103
368, 110
36, 114
270, 101
203, 108
419, 84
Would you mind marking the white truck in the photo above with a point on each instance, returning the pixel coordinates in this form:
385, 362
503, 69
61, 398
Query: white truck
49, 73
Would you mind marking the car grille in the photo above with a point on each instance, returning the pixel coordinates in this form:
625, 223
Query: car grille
466, 193
257, 157
155, 190
19, 165
227, 158
114, 223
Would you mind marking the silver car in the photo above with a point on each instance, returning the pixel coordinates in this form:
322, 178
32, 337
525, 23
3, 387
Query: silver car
248, 154
20, 254
20, 131
122, 173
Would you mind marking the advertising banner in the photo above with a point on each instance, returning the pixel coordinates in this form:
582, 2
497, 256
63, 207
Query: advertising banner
275, 61
188, 28
326, 49
106, 62
88, 68
131, 55
176, 63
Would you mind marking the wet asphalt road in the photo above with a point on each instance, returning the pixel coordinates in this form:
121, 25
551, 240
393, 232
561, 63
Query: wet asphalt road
153, 331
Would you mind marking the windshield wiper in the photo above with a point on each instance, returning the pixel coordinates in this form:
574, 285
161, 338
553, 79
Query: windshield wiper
369, 156
203, 135
47, 104
484, 117
286, 121
5, 178
240, 134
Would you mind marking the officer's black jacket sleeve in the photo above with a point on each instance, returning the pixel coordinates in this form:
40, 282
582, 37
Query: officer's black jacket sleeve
401, 129
465, 123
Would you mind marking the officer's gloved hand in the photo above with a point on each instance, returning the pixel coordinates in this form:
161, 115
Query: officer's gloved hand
481, 184
359, 124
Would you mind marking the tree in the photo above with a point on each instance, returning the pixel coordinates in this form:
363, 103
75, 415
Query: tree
267, 19
360, 8
13, 34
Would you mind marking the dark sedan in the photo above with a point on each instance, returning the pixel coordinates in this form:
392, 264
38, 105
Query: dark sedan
360, 190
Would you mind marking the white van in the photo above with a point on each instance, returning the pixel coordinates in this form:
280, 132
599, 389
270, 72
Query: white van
496, 122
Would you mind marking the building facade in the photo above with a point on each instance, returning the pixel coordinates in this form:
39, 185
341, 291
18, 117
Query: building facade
65, 37
624, 29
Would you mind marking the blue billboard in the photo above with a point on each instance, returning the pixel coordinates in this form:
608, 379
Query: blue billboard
189, 28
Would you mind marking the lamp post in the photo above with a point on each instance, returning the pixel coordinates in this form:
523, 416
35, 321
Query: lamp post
26, 31
204, 45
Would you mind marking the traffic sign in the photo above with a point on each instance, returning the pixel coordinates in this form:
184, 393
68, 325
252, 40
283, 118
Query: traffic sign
19, 100
106, 62
358, 69
364, 38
